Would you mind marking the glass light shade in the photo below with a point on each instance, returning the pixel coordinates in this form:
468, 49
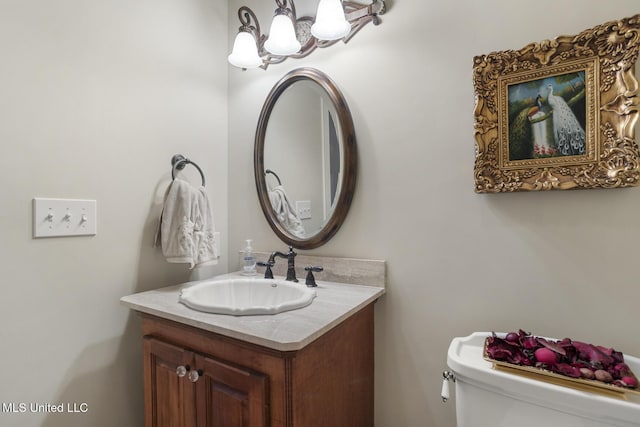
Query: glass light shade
282, 37
330, 21
245, 51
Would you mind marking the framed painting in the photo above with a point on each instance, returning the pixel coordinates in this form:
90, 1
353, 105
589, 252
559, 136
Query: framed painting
559, 114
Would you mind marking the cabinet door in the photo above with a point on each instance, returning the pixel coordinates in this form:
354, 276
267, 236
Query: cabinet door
229, 396
169, 400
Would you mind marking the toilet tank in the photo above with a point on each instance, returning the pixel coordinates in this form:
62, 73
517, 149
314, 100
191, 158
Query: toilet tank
485, 397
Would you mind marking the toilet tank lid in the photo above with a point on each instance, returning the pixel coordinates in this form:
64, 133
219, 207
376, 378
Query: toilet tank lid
465, 359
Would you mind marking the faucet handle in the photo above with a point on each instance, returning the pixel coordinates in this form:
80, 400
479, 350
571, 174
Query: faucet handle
310, 281
268, 274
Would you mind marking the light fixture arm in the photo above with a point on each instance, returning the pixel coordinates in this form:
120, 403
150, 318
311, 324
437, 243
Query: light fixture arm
250, 23
355, 10
357, 15
291, 10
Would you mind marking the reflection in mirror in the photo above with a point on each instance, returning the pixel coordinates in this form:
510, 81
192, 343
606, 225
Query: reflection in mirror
305, 158
302, 126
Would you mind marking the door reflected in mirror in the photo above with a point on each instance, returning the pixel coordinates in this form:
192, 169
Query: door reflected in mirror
305, 158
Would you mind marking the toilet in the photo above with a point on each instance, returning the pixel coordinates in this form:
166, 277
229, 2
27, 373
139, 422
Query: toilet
486, 397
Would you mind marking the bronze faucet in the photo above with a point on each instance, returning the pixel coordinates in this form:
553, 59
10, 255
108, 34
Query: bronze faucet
291, 268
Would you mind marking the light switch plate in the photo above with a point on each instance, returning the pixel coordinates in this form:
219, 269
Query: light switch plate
303, 209
64, 217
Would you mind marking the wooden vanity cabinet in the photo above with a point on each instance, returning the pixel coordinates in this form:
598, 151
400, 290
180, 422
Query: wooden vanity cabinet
219, 395
168, 399
329, 382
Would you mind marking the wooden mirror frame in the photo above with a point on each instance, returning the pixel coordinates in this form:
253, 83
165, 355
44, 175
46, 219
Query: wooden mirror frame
349, 152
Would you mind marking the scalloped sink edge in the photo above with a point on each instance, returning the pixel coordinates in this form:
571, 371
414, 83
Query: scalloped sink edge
246, 296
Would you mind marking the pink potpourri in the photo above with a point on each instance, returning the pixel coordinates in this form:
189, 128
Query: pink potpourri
573, 359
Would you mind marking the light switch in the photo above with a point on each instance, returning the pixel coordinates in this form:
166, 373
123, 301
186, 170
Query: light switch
64, 217
303, 209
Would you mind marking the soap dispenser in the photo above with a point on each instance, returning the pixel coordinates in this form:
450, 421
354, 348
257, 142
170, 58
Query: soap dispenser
248, 260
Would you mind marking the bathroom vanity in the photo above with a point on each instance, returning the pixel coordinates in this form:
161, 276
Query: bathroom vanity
308, 367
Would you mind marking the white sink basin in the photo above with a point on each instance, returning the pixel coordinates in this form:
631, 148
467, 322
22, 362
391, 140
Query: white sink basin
246, 296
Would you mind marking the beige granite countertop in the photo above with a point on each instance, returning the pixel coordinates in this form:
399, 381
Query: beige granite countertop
287, 331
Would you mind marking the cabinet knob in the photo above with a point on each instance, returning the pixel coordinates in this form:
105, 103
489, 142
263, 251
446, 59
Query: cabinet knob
181, 370
194, 375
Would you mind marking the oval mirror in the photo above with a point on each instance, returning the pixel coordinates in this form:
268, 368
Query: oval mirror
305, 158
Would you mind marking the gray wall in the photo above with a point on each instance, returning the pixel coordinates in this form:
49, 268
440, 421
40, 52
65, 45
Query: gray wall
96, 98
558, 264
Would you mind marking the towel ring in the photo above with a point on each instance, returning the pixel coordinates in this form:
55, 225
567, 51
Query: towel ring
179, 162
274, 174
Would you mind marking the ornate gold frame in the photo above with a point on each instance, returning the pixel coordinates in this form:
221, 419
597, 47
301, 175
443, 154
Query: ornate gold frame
605, 56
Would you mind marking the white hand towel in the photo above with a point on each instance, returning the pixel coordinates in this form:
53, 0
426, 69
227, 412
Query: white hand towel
186, 226
285, 212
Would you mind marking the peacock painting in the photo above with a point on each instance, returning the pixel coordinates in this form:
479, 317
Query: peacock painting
547, 117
